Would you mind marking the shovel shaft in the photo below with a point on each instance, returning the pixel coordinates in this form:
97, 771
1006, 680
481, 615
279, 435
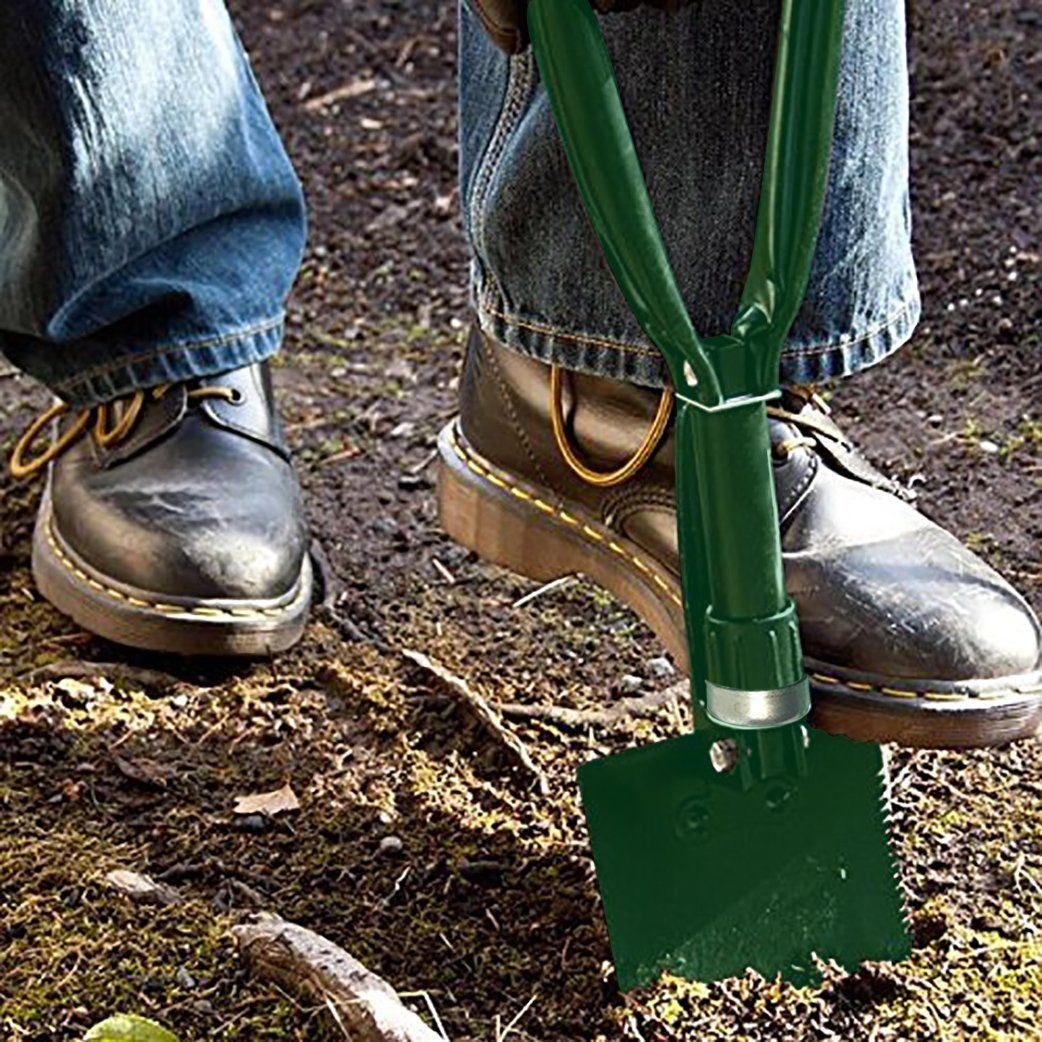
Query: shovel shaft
746, 662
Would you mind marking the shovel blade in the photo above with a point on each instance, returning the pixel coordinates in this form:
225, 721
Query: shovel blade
706, 873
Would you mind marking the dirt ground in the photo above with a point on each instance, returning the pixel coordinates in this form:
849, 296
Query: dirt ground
489, 904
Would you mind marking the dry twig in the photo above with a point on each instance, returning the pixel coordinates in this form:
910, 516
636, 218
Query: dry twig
354, 89
366, 1006
580, 719
480, 709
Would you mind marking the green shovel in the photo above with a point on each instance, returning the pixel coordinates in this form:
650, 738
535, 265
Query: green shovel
755, 842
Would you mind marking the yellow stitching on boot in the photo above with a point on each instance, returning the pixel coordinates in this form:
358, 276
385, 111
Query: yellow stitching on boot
169, 609
894, 692
826, 680
567, 518
857, 685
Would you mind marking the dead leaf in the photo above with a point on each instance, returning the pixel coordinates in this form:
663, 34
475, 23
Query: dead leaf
270, 803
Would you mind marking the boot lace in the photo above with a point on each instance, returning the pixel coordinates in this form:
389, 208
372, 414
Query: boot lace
808, 395
98, 422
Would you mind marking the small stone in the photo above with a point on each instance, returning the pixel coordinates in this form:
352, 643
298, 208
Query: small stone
935, 419
405, 429
989, 447
391, 846
252, 823
483, 871
184, 978
661, 668
630, 683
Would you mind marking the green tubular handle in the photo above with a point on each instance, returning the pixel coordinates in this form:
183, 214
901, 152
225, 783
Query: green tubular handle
580, 81
745, 655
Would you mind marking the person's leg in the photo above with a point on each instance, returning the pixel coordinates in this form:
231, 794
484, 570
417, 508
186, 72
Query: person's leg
151, 226
697, 89
909, 636
150, 222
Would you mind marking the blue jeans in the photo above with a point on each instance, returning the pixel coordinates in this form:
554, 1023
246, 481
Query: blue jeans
150, 222
697, 88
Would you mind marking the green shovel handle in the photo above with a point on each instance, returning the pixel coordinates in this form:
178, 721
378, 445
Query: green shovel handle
745, 656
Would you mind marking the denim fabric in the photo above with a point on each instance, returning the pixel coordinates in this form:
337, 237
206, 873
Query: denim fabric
697, 87
150, 222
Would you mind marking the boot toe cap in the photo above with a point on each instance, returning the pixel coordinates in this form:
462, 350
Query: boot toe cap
921, 607
229, 532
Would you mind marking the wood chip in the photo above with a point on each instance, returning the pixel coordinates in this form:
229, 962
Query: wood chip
366, 1007
144, 771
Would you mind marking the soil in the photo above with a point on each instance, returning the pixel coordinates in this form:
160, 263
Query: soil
489, 903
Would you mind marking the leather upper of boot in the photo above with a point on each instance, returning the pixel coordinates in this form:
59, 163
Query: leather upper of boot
200, 500
879, 586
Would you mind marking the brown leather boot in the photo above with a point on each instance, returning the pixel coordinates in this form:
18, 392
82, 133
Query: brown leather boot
908, 636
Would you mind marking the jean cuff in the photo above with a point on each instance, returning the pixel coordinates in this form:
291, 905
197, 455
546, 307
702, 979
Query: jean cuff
814, 363
641, 363
173, 362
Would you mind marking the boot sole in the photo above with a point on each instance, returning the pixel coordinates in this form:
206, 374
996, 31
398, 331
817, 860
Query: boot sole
529, 530
153, 622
